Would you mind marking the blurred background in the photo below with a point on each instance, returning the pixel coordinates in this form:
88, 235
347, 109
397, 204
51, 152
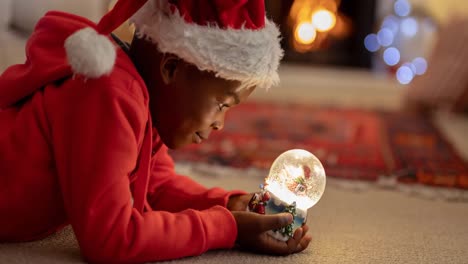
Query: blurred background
381, 47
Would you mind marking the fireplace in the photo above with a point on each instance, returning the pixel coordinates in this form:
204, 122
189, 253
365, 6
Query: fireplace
324, 32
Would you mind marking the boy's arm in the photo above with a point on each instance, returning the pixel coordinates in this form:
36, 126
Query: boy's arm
171, 192
96, 132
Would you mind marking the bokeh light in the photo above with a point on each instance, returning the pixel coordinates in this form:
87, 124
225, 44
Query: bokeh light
323, 20
371, 43
397, 32
402, 8
428, 26
404, 74
305, 33
391, 56
411, 66
385, 37
409, 26
421, 65
391, 22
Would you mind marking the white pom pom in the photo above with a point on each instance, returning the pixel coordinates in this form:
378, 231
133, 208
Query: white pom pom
90, 54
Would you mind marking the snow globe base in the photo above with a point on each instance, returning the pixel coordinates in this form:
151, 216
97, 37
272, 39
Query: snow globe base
267, 203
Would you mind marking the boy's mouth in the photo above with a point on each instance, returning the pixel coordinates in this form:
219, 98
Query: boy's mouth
198, 138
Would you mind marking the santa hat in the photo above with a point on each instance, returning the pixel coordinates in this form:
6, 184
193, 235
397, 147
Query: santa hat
231, 38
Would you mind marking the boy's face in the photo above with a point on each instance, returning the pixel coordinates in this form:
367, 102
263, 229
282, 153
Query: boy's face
188, 104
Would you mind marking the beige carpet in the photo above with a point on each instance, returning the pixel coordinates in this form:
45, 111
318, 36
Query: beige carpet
369, 226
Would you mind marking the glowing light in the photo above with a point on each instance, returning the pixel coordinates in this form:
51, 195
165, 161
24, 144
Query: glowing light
391, 22
421, 65
428, 26
402, 8
404, 74
385, 37
323, 20
411, 66
409, 26
305, 33
297, 176
391, 56
371, 43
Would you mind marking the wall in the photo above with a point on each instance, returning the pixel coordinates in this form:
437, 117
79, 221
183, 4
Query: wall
25, 13
443, 10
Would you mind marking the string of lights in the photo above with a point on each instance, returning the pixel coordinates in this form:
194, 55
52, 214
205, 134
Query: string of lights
395, 29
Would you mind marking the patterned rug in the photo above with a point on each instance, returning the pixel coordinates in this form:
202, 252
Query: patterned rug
352, 144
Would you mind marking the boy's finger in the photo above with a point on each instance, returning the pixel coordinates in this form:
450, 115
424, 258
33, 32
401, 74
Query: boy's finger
298, 234
273, 246
294, 241
303, 244
271, 222
305, 229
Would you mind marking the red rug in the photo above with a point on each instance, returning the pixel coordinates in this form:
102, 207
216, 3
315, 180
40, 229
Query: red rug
352, 144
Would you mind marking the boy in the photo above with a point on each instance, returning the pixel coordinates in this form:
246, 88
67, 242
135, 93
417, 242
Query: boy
86, 127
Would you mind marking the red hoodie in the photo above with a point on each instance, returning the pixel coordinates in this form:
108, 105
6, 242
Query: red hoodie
84, 152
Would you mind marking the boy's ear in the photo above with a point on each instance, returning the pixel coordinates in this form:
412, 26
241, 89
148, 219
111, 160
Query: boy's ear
169, 64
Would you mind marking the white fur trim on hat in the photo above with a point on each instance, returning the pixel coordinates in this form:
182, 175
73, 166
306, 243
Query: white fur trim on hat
249, 56
90, 54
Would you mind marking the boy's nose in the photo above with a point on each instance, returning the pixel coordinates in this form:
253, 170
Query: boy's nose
217, 125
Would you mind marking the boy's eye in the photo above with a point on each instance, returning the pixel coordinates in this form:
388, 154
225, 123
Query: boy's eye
222, 106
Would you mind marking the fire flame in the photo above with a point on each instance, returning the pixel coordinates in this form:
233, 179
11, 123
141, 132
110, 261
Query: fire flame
305, 33
323, 20
312, 21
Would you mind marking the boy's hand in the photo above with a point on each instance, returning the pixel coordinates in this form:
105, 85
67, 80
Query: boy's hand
239, 202
252, 233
